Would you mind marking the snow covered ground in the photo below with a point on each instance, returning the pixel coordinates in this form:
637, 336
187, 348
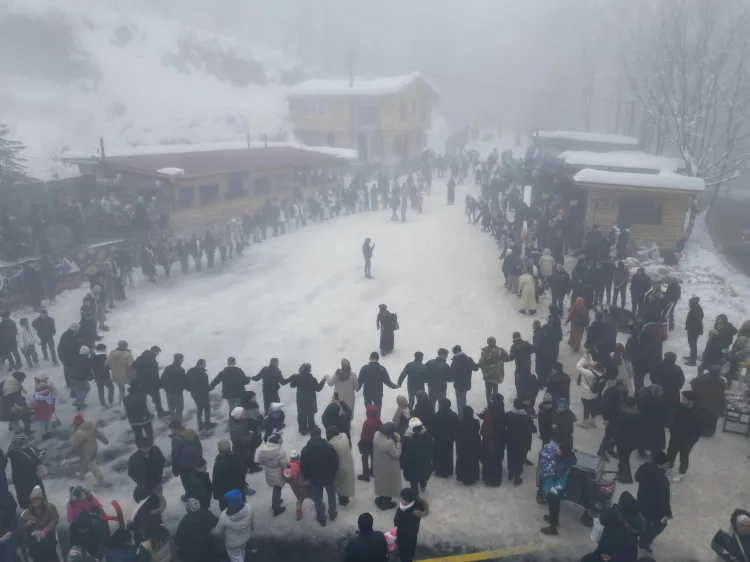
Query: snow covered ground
302, 297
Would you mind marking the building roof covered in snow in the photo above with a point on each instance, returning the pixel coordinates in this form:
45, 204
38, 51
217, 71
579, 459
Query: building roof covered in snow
624, 160
665, 181
358, 87
215, 158
597, 138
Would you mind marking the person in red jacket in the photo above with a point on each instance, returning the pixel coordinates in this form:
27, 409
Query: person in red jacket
372, 424
44, 409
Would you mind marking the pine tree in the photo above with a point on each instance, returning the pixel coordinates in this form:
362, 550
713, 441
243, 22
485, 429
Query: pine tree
12, 168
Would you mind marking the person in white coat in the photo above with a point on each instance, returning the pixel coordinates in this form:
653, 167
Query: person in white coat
344, 483
546, 265
344, 383
273, 459
527, 291
235, 525
588, 381
27, 341
624, 369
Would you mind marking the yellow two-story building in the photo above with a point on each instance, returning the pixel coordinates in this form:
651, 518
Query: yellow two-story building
384, 119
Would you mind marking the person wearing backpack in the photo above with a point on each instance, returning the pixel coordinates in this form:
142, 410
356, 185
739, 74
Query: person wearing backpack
187, 453
591, 385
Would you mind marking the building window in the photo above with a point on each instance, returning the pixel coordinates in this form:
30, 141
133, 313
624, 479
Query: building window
639, 210
209, 194
377, 145
261, 186
368, 115
404, 108
330, 139
186, 197
413, 107
235, 189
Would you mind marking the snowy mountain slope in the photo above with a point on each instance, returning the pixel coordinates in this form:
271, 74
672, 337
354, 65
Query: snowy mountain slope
75, 71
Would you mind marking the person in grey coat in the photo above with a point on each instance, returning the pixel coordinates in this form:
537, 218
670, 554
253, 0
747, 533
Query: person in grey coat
273, 459
344, 483
386, 465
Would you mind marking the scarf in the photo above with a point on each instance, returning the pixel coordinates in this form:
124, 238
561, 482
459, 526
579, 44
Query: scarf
42, 398
403, 507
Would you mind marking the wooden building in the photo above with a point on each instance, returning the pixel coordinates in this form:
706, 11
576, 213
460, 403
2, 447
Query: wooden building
384, 119
197, 185
654, 206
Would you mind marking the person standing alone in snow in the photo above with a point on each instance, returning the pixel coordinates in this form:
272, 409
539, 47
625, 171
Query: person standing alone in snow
387, 323
367, 249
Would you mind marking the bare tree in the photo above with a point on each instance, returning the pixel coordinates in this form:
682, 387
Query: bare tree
688, 62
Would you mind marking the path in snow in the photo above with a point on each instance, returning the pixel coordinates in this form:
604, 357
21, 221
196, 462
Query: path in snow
302, 298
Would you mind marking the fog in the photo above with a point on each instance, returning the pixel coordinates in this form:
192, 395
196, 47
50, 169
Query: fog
524, 64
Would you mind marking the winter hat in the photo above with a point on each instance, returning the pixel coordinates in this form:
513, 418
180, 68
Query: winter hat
409, 495
689, 395
19, 376
294, 455
78, 420
122, 344
224, 446
547, 397
42, 378
77, 492
36, 494
193, 505
237, 412
562, 403
389, 428
516, 336
660, 457
518, 403
234, 499
628, 503
345, 364
365, 522
276, 406
491, 341
402, 402
305, 368
275, 438
84, 350
75, 327
421, 395
101, 347
413, 423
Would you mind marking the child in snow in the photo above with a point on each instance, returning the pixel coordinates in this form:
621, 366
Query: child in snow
235, 525
402, 416
274, 420
44, 409
102, 376
390, 539
409, 514
273, 460
371, 425
297, 483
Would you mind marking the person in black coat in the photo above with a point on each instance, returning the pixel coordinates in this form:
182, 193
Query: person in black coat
527, 389
623, 525
694, 329
493, 441
462, 366
371, 379
545, 413
367, 545
563, 421
273, 380
423, 409
386, 322
146, 469
521, 352
318, 465
147, 373
193, 538
228, 473
684, 433
444, 431
45, 329
173, 380
671, 295
438, 376
726, 330
713, 354
546, 350
139, 416
558, 385
233, 381
411, 510
307, 400
670, 377
24, 461
200, 487
626, 437
417, 455
8, 342
337, 414
612, 402
102, 376
654, 416
468, 448
196, 383
518, 429
640, 284
67, 349
653, 497
559, 283
415, 373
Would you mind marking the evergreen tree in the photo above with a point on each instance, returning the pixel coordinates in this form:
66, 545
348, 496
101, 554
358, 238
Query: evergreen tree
12, 168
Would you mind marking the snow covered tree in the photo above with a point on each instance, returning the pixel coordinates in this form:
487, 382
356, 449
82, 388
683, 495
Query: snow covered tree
688, 62
12, 168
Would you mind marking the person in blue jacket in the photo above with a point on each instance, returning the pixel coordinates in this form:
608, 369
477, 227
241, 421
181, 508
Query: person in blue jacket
554, 468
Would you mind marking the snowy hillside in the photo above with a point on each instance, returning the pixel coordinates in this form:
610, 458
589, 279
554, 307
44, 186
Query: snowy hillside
74, 71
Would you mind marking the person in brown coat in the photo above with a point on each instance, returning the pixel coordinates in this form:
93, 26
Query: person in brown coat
84, 444
120, 363
38, 523
578, 318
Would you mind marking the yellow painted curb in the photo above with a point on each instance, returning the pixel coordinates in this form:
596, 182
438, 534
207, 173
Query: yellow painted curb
488, 555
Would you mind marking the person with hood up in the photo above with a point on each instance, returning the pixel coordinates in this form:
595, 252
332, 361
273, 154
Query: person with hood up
344, 483
578, 318
319, 464
444, 430
411, 510
146, 469
735, 545
492, 363
387, 323
402, 416
273, 459
527, 292
563, 421
493, 442
25, 461
367, 250
423, 409
196, 383
39, 523
228, 473
368, 545
194, 539
462, 366
120, 363
685, 431
653, 497
371, 379
173, 383
147, 373
44, 405
235, 525
414, 372
417, 457
273, 380
298, 484
654, 414
627, 438
345, 385
233, 381
558, 384
385, 462
546, 349
138, 411
468, 448
670, 377
694, 329
337, 414
370, 427
709, 388
84, 444
307, 400
518, 429
623, 525
67, 349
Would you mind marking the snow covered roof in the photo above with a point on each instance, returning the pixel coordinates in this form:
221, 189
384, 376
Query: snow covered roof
663, 181
588, 137
359, 87
213, 158
632, 160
